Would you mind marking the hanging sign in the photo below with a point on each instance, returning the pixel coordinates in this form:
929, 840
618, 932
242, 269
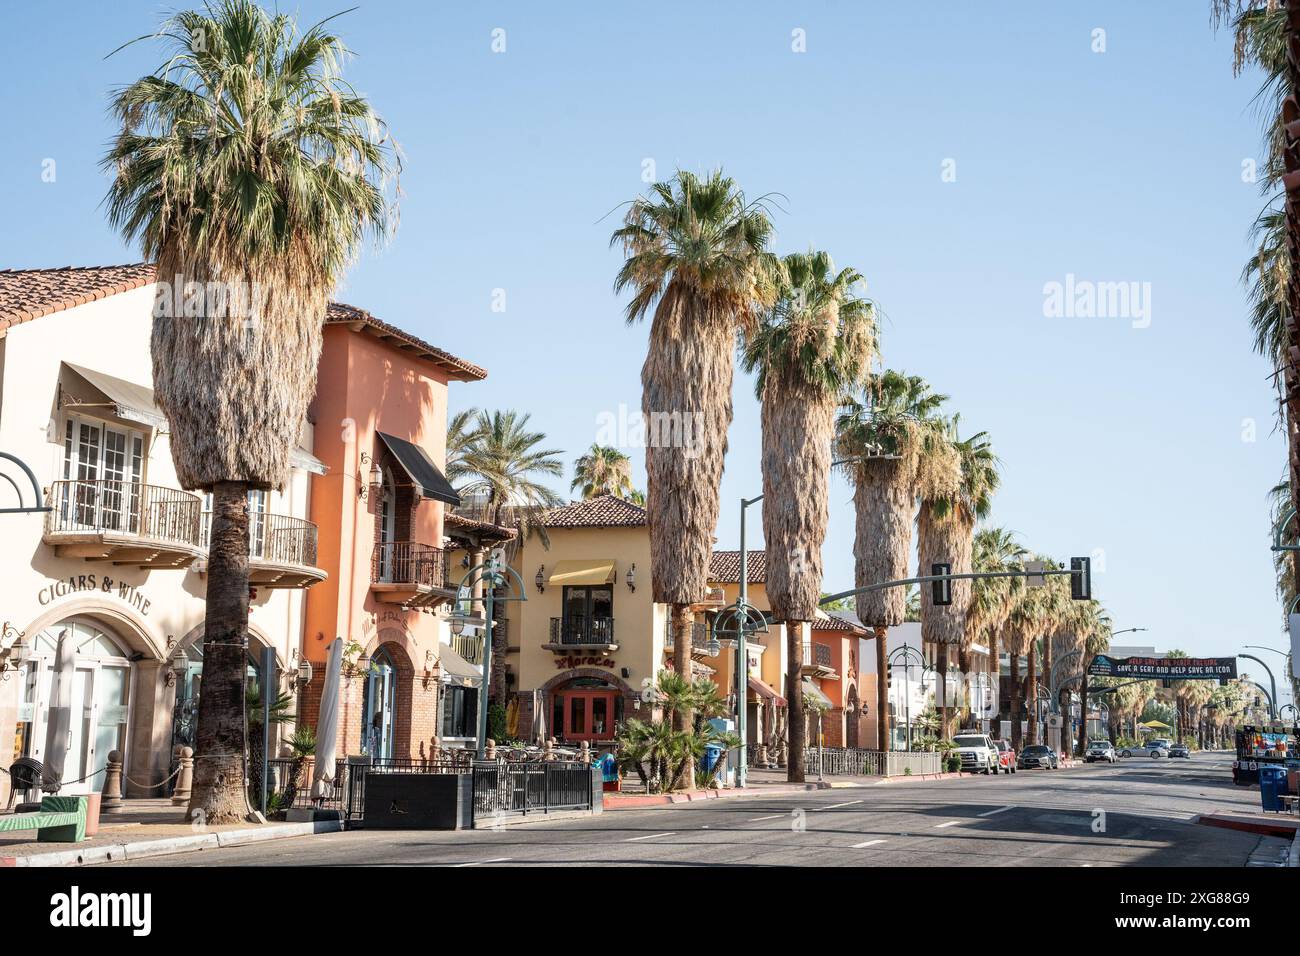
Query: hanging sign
1164, 668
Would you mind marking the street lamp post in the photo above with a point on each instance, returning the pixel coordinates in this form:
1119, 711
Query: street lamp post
1272, 697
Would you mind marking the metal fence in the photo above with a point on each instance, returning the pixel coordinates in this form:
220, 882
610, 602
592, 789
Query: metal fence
409, 562
869, 763
523, 788
129, 508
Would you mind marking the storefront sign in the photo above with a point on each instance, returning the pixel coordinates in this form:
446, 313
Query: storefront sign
1164, 668
570, 661
91, 582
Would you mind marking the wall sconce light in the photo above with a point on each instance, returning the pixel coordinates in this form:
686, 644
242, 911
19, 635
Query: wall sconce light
17, 651
631, 578
540, 580
179, 664
364, 491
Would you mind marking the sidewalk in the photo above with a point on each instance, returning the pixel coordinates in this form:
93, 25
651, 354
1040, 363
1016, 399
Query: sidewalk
146, 828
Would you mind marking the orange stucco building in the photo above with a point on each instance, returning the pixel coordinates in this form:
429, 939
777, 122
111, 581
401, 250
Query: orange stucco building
381, 419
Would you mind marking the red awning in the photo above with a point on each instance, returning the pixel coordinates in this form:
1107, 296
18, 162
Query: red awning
762, 690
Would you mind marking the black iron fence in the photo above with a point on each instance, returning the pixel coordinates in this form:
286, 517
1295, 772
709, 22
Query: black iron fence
409, 562
522, 788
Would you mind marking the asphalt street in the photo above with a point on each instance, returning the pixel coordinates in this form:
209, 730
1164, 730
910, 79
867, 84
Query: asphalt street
1138, 812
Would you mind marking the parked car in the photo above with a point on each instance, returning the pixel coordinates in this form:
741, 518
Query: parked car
1099, 750
1038, 756
977, 752
1157, 748
1006, 756
1180, 750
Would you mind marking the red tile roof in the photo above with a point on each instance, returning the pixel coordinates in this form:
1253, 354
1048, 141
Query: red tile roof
27, 294
724, 567
603, 511
838, 624
340, 313
452, 522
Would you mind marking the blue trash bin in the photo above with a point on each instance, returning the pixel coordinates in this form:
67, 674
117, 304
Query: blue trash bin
712, 754
1272, 782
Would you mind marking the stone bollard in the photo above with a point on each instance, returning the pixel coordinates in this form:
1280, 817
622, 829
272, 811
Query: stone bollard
184, 779
549, 753
111, 801
489, 749
760, 757
584, 753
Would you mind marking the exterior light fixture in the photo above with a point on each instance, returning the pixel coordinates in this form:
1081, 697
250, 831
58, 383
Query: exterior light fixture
713, 648
17, 651
364, 491
631, 578
304, 672
540, 580
457, 621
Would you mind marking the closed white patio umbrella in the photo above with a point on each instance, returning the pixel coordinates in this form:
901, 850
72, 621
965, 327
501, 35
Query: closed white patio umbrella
58, 726
327, 727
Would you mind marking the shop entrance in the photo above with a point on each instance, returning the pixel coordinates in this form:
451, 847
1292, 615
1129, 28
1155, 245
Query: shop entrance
586, 713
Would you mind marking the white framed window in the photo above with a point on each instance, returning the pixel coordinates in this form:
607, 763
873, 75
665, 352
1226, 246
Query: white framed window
102, 467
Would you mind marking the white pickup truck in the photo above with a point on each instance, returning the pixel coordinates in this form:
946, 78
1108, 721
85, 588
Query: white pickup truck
978, 752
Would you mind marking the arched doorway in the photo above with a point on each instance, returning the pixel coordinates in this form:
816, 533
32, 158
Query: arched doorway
103, 677
852, 719
379, 706
586, 708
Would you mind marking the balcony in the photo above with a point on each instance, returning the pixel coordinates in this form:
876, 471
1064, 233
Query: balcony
699, 638
714, 600
125, 522
281, 551
411, 574
582, 633
817, 661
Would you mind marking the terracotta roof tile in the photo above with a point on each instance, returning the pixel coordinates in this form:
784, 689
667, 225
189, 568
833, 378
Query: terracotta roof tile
27, 294
724, 567
603, 511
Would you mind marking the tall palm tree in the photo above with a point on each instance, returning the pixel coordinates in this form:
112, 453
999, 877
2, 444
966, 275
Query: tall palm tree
1032, 614
945, 535
892, 444
697, 256
992, 599
248, 166
810, 349
603, 471
462, 435
502, 463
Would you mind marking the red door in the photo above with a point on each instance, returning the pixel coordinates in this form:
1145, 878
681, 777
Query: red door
588, 714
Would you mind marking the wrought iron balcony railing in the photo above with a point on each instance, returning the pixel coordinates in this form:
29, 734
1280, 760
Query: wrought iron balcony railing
582, 630
699, 635
275, 539
409, 562
124, 508
817, 655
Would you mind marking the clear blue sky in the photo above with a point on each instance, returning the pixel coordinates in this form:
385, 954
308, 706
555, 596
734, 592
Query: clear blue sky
1115, 166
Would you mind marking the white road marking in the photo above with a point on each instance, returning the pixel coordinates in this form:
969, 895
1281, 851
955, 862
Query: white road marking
650, 836
950, 823
772, 817
859, 846
500, 859
991, 813
836, 806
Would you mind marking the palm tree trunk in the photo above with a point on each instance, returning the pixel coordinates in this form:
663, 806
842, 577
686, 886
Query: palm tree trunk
796, 732
882, 689
1031, 699
683, 719
1083, 710
941, 686
1015, 688
966, 705
220, 792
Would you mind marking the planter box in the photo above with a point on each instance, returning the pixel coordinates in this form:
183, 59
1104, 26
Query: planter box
419, 801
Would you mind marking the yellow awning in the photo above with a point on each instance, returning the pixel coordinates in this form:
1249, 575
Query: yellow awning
598, 571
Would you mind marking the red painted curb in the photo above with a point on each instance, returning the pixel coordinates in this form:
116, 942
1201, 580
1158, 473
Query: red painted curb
1264, 827
8, 861
640, 801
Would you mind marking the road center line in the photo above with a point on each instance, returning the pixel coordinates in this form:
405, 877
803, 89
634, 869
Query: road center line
991, 813
500, 859
772, 817
836, 806
650, 836
950, 823
859, 846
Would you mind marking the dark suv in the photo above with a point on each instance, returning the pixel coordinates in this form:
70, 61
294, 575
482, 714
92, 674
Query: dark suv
1037, 756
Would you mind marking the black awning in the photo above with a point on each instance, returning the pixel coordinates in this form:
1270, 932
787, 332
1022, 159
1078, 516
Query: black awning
419, 467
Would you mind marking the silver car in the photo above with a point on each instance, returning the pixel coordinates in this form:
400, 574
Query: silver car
1099, 750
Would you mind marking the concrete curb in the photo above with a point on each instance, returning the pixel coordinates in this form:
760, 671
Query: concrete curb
1293, 861
642, 802
143, 849
1262, 827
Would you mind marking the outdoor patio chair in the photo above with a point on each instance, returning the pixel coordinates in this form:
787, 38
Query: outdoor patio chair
25, 774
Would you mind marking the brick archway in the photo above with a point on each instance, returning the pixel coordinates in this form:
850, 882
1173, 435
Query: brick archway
628, 696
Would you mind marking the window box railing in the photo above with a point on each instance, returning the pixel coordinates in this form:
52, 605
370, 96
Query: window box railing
582, 630
275, 539
699, 634
468, 646
818, 655
125, 508
409, 562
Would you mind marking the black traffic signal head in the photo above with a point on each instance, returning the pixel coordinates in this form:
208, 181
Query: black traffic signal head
1081, 579
941, 591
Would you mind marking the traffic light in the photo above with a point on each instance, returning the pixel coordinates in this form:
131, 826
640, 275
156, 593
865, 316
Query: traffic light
941, 591
1081, 579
